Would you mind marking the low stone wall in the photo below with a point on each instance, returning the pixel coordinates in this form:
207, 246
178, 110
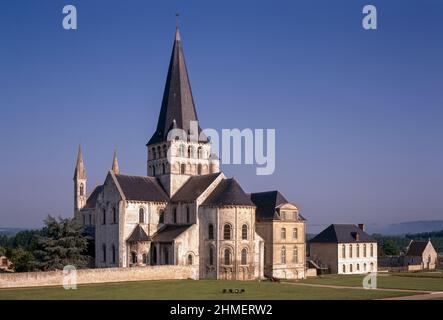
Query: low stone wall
311, 272
84, 276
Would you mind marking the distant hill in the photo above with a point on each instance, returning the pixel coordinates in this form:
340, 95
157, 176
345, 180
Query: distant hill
11, 231
407, 227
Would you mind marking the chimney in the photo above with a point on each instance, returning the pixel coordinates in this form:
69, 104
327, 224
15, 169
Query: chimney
361, 226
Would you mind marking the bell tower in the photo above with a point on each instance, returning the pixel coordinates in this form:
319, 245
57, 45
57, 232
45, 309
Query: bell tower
173, 160
80, 180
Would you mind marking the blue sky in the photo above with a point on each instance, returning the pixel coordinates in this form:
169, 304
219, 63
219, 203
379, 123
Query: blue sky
358, 114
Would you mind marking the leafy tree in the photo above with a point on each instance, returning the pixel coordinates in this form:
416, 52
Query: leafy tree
2, 251
22, 260
61, 243
390, 248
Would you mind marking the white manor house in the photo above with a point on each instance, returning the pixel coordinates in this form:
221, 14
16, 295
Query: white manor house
185, 211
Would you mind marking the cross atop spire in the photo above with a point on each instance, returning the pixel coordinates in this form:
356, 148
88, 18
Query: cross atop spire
115, 167
80, 171
178, 102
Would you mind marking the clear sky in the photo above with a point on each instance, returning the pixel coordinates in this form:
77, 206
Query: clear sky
358, 114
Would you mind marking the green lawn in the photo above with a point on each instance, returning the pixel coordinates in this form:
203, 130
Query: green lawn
413, 281
196, 290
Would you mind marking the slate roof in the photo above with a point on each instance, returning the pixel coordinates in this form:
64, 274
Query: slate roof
416, 248
92, 199
170, 232
343, 233
266, 203
141, 188
178, 107
228, 192
194, 187
138, 235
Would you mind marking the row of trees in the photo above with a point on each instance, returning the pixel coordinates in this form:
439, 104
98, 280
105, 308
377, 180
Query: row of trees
58, 244
393, 245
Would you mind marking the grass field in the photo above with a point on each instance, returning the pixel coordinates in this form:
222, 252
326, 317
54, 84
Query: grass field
412, 281
195, 290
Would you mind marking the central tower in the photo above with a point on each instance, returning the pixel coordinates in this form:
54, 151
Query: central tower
187, 157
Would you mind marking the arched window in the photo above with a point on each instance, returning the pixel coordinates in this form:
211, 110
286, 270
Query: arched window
145, 258
344, 268
365, 253
189, 152
283, 233
199, 152
82, 189
163, 168
364, 267
343, 251
114, 215
166, 255
104, 216
190, 259
154, 154
188, 215
153, 170
165, 151
358, 251
372, 266
174, 215
283, 255
295, 233
350, 251
350, 268
141, 215
227, 257
210, 232
159, 151
244, 232
358, 267
113, 253
154, 255
211, 256
199, 169
181, 150
133, 257
161, 216
372, 250
295, 255
104, 252
183, 168
244, 256
227, 232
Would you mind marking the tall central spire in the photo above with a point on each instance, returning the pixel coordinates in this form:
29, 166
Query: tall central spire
178, 107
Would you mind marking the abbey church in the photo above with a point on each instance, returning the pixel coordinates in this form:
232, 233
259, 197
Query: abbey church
185, 211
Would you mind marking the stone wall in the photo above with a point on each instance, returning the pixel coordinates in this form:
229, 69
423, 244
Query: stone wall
84, 276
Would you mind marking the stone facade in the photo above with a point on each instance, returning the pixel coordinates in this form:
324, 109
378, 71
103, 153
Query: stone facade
185, 212
285, 246
356, 254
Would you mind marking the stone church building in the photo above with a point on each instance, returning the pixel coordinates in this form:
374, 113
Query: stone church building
186, 211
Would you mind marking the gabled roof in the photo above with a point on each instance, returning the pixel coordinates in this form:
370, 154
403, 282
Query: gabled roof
138, 235
228, 192
92, 199
141, 188
416, 248
343, 233
194, 187
170, 232
178, 107
266, 203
